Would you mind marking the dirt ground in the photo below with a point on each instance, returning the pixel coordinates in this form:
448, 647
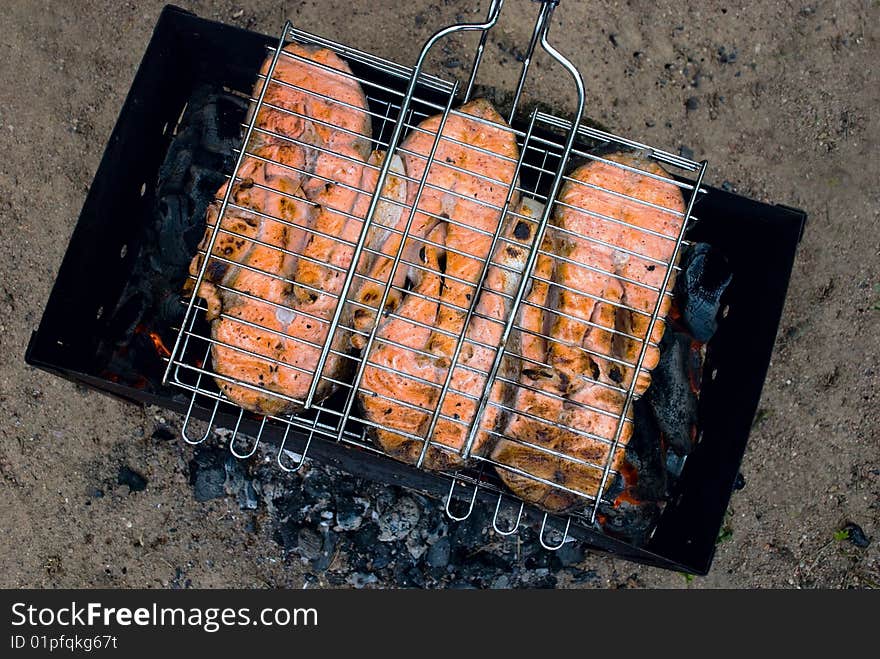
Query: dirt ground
780, 97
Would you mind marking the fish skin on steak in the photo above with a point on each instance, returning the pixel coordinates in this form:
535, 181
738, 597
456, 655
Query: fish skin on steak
268, 288
566, 415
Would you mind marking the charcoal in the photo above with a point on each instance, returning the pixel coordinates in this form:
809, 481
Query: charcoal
360, 579
309, 544
366, 538
415, 578
647, 481
318, 486
472, 532
381, 556
188, 179
632, 522
396, 523
207, 473
856, 535
438, 554
674, 464
540, 578
239, 485
336, 579
289, 506
502, 581
349, 513
164, 433
570, 553
416, 545
671, 395
400, 570
540, 559
286, 534
704, 278
127, 476
327, 550
584, 576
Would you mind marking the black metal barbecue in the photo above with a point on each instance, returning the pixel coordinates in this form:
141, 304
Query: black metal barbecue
117, 321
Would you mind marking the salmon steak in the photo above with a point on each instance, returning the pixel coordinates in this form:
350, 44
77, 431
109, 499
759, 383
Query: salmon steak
450, 239
582, 326
286, 237
402, 382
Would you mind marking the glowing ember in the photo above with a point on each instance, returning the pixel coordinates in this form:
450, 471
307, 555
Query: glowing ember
155, 339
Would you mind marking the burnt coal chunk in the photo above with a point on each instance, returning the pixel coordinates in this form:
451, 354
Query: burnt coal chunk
164, 433
856, 535
207, 473
337, 579
290, 506
439, 553
705, 276
329, 540
318, 486
239, 484
584, 576
570, 553
540, 578
136, 481
472, 532
631, 522
671, 395
309, 544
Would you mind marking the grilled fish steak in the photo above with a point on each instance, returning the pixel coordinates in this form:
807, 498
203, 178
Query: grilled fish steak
474, 168
383, 239
402, 381
466, 189
279, 259
632, 260
572, 386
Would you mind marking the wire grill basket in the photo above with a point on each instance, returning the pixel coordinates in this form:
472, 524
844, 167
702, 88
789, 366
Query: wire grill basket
547, 147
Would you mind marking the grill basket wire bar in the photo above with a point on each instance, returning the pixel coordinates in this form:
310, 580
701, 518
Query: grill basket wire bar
512, 529
546, 8
188, 418
337, 426
564, 533
475, 296
256, 442
455, 516
546, 14
494, 7
644, 349
393, 141
226, 198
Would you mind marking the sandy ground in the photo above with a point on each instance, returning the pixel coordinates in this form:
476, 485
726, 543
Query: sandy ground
780, 97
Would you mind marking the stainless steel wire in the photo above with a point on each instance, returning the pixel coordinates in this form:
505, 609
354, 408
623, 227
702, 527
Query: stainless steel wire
541, 169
